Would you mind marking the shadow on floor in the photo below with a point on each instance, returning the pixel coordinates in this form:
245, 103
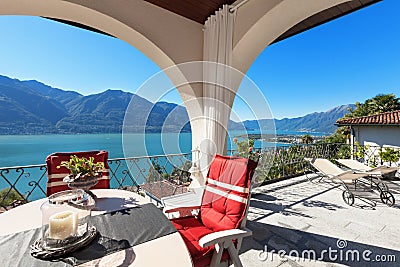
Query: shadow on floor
291, 197
267, 240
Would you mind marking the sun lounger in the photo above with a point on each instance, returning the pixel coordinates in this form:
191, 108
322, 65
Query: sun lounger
376, 173
346, 178
358, 166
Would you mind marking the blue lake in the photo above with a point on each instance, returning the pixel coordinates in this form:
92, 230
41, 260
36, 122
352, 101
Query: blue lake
23, 150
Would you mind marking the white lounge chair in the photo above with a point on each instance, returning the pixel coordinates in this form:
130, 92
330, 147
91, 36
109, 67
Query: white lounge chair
374, 174
345, 178
361, 167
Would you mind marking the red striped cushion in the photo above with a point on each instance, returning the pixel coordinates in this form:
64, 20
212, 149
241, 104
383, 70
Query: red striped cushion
55, 176
227, 191
192, 231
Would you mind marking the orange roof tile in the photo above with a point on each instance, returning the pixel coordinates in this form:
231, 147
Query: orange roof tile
387, 118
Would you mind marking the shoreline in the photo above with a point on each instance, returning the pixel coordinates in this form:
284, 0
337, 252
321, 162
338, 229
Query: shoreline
283, 138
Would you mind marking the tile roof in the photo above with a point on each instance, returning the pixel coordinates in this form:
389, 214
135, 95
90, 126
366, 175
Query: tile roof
387, 118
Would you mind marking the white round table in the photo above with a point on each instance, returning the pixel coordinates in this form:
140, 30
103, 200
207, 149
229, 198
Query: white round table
169, 250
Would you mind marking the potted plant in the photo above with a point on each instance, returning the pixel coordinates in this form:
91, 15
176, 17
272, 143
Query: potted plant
82, 171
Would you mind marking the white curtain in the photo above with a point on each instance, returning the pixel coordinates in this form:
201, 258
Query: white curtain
217, 91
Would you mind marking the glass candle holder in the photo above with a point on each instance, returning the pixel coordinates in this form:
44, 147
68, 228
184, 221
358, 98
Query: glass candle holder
65, 218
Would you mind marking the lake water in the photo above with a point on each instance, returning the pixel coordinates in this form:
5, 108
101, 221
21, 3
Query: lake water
23, 150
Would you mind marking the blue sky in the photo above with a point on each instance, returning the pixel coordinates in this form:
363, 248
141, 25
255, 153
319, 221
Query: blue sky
350, 59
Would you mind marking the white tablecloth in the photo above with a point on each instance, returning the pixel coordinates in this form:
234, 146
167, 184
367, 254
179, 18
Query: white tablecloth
168, 250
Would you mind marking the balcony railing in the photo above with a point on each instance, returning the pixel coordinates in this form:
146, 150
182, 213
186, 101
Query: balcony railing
284, 162
158, 175
166, 175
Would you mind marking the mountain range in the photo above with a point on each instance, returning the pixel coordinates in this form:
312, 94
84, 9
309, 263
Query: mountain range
32, 107
322, 122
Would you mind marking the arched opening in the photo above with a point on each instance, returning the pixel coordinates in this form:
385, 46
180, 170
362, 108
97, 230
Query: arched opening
67, 11
97, 111
138, 28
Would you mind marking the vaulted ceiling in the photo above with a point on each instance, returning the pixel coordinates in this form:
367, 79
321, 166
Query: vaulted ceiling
326, 16
195, 10
200, 10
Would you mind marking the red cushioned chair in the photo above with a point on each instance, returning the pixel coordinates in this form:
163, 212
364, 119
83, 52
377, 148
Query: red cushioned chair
55, 176
215, 235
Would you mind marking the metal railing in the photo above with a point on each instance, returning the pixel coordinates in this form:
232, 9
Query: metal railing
165, 175
159, 176
284, 162
22, 184
289, 161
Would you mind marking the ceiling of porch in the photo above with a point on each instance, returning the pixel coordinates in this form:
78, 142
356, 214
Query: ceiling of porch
326, 16
194, 10
199, 11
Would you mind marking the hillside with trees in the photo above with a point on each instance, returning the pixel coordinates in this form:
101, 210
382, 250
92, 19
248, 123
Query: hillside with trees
379, 104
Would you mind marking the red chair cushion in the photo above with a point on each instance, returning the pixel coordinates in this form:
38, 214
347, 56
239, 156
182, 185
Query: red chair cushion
226, 194
223, 205
55, 176
192, 231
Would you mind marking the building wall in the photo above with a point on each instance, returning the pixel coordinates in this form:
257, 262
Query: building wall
381, 135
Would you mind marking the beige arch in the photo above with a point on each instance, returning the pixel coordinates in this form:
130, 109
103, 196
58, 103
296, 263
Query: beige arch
167, 39
77, 13
260, 22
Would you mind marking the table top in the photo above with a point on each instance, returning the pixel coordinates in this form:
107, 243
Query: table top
169, 250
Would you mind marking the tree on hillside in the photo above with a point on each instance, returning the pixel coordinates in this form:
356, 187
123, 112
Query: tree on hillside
384, 103
336, 137
376, 105
306, 139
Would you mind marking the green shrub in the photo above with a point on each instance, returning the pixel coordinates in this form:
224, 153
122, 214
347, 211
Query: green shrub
389, 155
9, 196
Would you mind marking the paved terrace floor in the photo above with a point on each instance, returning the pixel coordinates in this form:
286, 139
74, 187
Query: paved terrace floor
302, 217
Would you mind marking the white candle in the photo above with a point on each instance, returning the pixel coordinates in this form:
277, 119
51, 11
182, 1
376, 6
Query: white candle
62, 225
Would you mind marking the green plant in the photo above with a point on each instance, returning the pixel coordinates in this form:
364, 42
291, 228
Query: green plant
82, 166
373, 161
307, 139
342, 152
376, 105
245, 149
338, 137
360, 150
9, 196
389, 155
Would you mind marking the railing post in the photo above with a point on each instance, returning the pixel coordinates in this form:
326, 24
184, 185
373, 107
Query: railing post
195, 172
283, 162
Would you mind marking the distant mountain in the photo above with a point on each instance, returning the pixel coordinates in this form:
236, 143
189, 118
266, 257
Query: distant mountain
31, 107
314, 122
64, 97
172, 116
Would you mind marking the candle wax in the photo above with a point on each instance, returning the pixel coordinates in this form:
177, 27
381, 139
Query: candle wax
63, 225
